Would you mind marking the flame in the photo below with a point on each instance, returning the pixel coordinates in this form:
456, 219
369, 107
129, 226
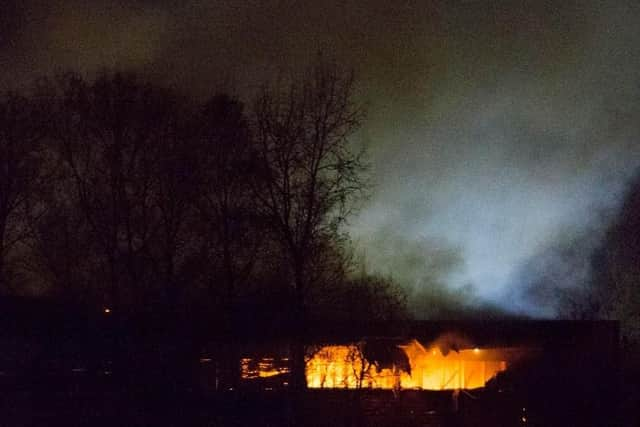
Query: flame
440, 366
336, 366
261, 368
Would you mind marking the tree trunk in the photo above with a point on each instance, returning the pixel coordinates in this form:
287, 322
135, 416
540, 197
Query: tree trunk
298, 383
299, 332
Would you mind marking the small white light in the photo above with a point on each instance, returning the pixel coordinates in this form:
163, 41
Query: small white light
107, 310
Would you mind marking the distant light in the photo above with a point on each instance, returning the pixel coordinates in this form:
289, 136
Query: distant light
476, 350
107, 310
205, 360
524, 419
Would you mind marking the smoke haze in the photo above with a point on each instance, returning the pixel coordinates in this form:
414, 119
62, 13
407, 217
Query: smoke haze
498, 131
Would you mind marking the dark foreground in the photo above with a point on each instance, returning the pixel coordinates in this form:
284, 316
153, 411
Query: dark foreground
320, 408
330, 408
115, 379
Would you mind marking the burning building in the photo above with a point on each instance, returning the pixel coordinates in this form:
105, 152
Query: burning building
443, 355
392, 364
415, 366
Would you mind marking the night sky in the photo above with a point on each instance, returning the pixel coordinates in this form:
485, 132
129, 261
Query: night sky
498, 132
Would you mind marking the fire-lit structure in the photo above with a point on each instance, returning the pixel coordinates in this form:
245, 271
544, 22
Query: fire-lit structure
437, 373
425, 368
265, 367
446, 364
435, 355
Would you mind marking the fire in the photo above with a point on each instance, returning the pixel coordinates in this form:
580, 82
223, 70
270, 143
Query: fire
446, 364
262, 368
344, 366
341, 366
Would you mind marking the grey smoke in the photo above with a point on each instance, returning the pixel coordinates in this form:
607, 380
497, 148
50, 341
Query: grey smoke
497, 130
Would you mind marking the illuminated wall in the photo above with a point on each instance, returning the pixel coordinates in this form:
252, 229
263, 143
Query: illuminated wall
434, 367
345, 367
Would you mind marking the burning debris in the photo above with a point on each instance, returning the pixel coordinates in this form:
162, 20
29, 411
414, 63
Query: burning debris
449, 363
409, 366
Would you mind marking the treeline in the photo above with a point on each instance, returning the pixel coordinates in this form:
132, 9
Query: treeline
122, 194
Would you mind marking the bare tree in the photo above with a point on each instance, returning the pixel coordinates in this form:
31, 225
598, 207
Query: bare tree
342, 290
174, 192
225, 203
360, 366
107, 133
310, 173
60, 258
226, 212
20, 135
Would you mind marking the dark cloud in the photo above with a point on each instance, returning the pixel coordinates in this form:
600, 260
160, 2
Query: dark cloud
494, 126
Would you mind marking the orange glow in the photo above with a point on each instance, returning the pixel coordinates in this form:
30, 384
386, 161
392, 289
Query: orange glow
261, 368
343, 366
443, 365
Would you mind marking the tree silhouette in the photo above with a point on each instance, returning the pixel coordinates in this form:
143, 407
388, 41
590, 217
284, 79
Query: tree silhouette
225, 203
172, 253
21, 133
225, 208
122, 194
309, 173
107, 134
